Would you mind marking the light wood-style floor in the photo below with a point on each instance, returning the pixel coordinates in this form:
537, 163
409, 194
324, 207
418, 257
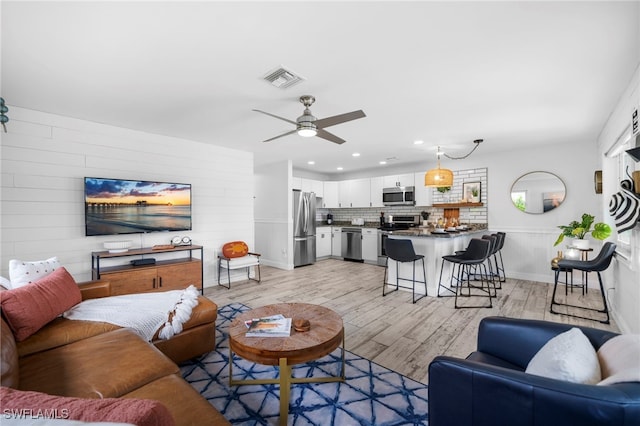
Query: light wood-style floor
390, 330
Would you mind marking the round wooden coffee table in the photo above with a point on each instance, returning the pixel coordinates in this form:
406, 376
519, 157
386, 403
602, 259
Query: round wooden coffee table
326, 334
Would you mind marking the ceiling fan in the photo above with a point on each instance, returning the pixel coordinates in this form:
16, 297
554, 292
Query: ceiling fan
307, 125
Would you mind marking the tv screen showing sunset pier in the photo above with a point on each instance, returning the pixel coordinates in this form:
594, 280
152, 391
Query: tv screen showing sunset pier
116, 206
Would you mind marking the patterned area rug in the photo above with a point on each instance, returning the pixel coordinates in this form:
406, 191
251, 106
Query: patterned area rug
371, 394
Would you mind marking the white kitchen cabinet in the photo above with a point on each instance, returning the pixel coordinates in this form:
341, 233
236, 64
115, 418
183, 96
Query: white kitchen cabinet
311, 185
344, 193
305, 185
360, 193
336, 241
296, 183
330, 197
317, 186
323, 242
354, 193
406, 180
399, 180
370, 245
423, 194
375, 191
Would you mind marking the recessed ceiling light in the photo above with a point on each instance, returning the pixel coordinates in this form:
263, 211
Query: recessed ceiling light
418, 142
356, 154
383, 162
311, 162
339, 168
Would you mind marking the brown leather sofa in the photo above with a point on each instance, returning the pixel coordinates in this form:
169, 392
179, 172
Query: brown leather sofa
99, 360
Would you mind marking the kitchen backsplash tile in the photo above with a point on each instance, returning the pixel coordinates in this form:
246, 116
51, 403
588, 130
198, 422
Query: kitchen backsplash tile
372, 214
467, 215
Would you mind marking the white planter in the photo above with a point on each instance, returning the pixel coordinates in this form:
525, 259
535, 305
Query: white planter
572, 254
581, 244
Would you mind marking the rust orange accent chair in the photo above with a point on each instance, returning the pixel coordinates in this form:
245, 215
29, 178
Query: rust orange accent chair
236, 255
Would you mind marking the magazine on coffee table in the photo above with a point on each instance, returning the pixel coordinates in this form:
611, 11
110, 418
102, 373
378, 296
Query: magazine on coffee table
272, 326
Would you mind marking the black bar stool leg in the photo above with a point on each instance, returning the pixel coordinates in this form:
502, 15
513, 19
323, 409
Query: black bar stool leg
384, 283
450, 280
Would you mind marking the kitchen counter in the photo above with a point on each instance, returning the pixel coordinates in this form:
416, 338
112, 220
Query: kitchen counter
432, 247
417, 231
346, 223
425, 232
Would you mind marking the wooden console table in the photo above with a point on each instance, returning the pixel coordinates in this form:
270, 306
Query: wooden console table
163, 275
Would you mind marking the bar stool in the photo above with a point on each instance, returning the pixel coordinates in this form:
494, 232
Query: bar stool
455, 272
493, 271
598, 264
502, 276
568, 277
455, 266
470, 262
401, 251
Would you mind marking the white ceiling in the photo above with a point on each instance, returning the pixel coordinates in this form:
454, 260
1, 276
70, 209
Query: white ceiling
512, 73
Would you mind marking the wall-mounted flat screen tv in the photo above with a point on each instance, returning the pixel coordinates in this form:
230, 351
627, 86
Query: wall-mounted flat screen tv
118, 206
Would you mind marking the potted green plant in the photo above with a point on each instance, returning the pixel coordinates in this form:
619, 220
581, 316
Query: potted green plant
444, 190
579, 231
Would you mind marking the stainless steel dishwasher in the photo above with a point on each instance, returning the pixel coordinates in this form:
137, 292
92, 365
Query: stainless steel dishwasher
352, 244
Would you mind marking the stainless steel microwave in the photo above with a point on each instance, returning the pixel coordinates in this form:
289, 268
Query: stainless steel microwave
399, 196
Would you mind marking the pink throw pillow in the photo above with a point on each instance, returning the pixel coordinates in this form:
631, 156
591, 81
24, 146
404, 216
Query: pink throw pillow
29, 308
141, 412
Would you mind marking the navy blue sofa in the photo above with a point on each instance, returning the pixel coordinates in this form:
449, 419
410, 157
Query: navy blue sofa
491, 388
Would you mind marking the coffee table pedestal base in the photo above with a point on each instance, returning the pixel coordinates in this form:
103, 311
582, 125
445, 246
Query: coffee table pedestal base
285, 381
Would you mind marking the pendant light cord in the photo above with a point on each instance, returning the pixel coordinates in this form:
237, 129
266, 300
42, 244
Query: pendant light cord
477, 142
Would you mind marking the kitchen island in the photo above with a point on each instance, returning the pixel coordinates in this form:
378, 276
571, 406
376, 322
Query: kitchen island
432, 246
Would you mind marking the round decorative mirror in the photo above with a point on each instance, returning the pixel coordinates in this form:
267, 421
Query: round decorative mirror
537, 192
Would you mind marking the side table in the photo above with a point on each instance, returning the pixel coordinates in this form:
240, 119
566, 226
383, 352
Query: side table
568, 274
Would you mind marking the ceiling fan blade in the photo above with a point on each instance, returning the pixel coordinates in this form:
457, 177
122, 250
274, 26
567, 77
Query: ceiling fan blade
329, 136
337, 119
284, 134
275, 116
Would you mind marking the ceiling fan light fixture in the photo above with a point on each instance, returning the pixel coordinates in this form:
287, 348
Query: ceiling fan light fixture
307, 125
307, 132
307, 129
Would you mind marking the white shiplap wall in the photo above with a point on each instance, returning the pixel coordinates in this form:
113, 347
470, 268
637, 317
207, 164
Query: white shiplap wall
45, 158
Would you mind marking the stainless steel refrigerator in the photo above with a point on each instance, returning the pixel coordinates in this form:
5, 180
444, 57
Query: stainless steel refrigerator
304, 228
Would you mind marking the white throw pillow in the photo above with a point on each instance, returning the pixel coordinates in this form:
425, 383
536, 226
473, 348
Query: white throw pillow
568, 356
620, 359
22, 272
5, 283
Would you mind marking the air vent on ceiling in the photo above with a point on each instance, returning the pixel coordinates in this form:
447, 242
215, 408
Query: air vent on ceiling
282, 78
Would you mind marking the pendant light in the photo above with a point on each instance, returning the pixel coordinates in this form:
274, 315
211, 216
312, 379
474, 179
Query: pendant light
438, 177
444, 177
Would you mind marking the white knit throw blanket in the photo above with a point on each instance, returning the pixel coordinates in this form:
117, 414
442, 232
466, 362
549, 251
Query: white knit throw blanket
144, 313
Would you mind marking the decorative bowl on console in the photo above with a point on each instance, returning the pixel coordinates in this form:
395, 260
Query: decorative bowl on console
117, 246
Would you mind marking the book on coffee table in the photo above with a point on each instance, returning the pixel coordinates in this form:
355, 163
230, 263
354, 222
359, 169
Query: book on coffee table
272, 326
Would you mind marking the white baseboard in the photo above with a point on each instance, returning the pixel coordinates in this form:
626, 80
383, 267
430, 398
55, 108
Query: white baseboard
275, 264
